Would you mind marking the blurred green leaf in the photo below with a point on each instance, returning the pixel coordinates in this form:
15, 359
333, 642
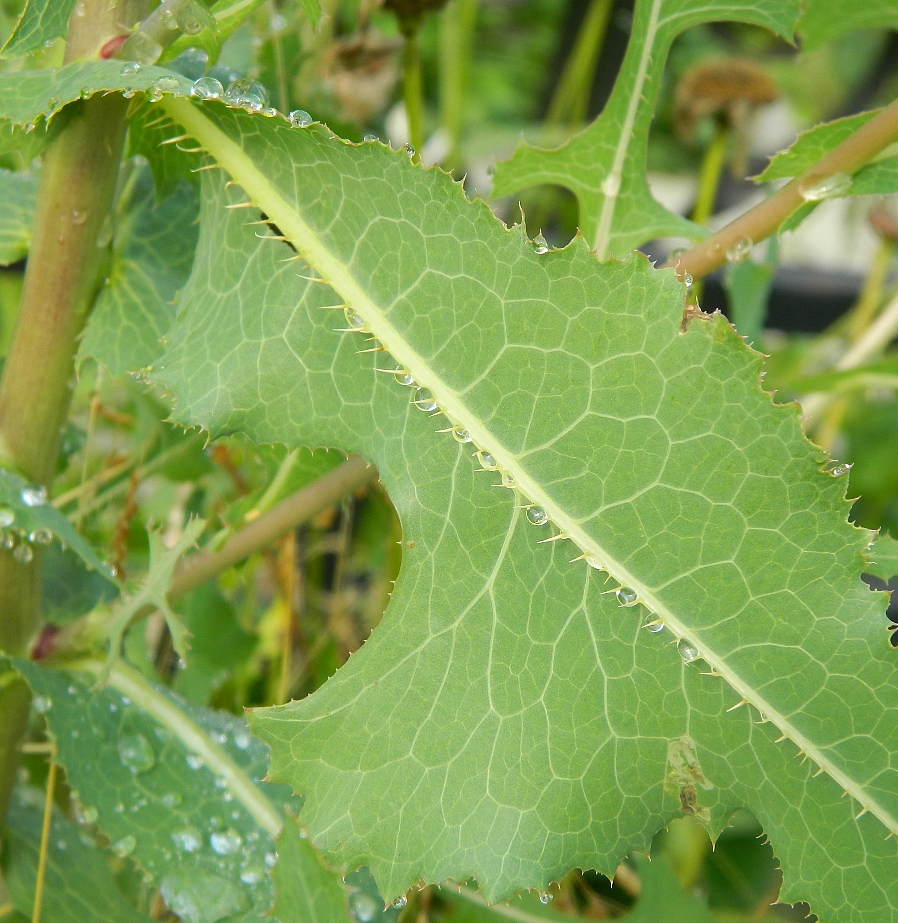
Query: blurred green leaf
229, 15
883, 558
68, 589
824, 20
41, 21
18, 194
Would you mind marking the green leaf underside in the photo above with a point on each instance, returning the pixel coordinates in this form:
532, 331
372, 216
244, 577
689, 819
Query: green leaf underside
884, 558
165, 779
41, 21
151, 259
611, 152
18, 193
78, 882
824, 20
41, 516
507, 720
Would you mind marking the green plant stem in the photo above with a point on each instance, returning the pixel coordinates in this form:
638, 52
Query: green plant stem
709, 181
570, 101
307, 502
412, 92
871, 295
767, 216
456, 31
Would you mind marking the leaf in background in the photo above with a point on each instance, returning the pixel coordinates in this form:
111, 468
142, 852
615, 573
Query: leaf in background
823, 20
228, 14
604, 165
68, 590
151, 258
748, 287
41, 22
174, 787
18, 193
169, 162
501, 672
27, 519
883, 558
154, 592
79, 884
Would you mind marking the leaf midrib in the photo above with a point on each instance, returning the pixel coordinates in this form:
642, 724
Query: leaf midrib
265, 195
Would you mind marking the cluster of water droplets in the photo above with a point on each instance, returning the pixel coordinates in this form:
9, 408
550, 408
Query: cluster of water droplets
22, 542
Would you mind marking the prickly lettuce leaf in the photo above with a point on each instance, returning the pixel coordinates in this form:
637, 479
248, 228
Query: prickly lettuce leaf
152, 252
507, 719
604, 165
884, 558
175, 788
824, 20
18, 192
41, 21
78, 880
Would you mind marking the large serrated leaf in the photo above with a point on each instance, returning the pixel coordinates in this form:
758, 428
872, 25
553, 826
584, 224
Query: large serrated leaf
41, 21
604, 165
175, 788
824, 20
508, 720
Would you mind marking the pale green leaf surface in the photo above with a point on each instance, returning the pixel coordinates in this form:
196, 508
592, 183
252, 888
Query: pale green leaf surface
78, 883
41, 21
228, 14
604, 165
18, 192
173, 786
170, 163
31, 513
151, 258
884, 558
824, 20
507, 720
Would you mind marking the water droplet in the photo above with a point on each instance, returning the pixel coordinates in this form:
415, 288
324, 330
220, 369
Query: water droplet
539, 244
33, 495
166, 83
460, 434
24, 554
226, 843
270, 859
404, 377
739, 251
594, 563
355, 321
187, 840
611, 184
52, 103
545, 897
191, 63
242, 739
172, 799
652, 624
627, 596
363, 907
299, 118
7, 540
688, 651
188, 21
423, 400
194, 761
130, 69
399, 902
537, 515
246, 94
42, 704
207, 88
135, 752
143, 48
252, 875
836, 469
7, 517
487, 461
818, 189
508, 480
370, 138
41, 537
687, 280
409, 149
269, 112
125, 846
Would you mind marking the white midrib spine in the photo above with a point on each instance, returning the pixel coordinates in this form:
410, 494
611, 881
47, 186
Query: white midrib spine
197, 741
609, 202
337, 275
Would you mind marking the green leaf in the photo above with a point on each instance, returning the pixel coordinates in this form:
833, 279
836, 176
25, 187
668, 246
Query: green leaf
604, 165
502, 673
41, 21
824, 20
174, 787
884, 558
148, 136
78, 882
748, 288
28, 519
154, 593
151, 257
229, 15
18, 193
68, 590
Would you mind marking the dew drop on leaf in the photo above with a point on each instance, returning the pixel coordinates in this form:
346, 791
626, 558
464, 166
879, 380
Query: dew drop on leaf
242, 740
836, 469
166, 83
363, 907
33, 495
125, 846
187, 840
7, 517
816, 190
399, 902
207, 88
423, 400
539, 244
545, 897
226, 843
487, 461
739, 250
172, 799
42, 704
687, 651
594, 562
135, 752
653, 624
370, 138
251, 875
627, 596
130, 69
299, 118
537, 515
404, 377
194, 761
41, 537
354, 320
7, 540
23, 553
460, 434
